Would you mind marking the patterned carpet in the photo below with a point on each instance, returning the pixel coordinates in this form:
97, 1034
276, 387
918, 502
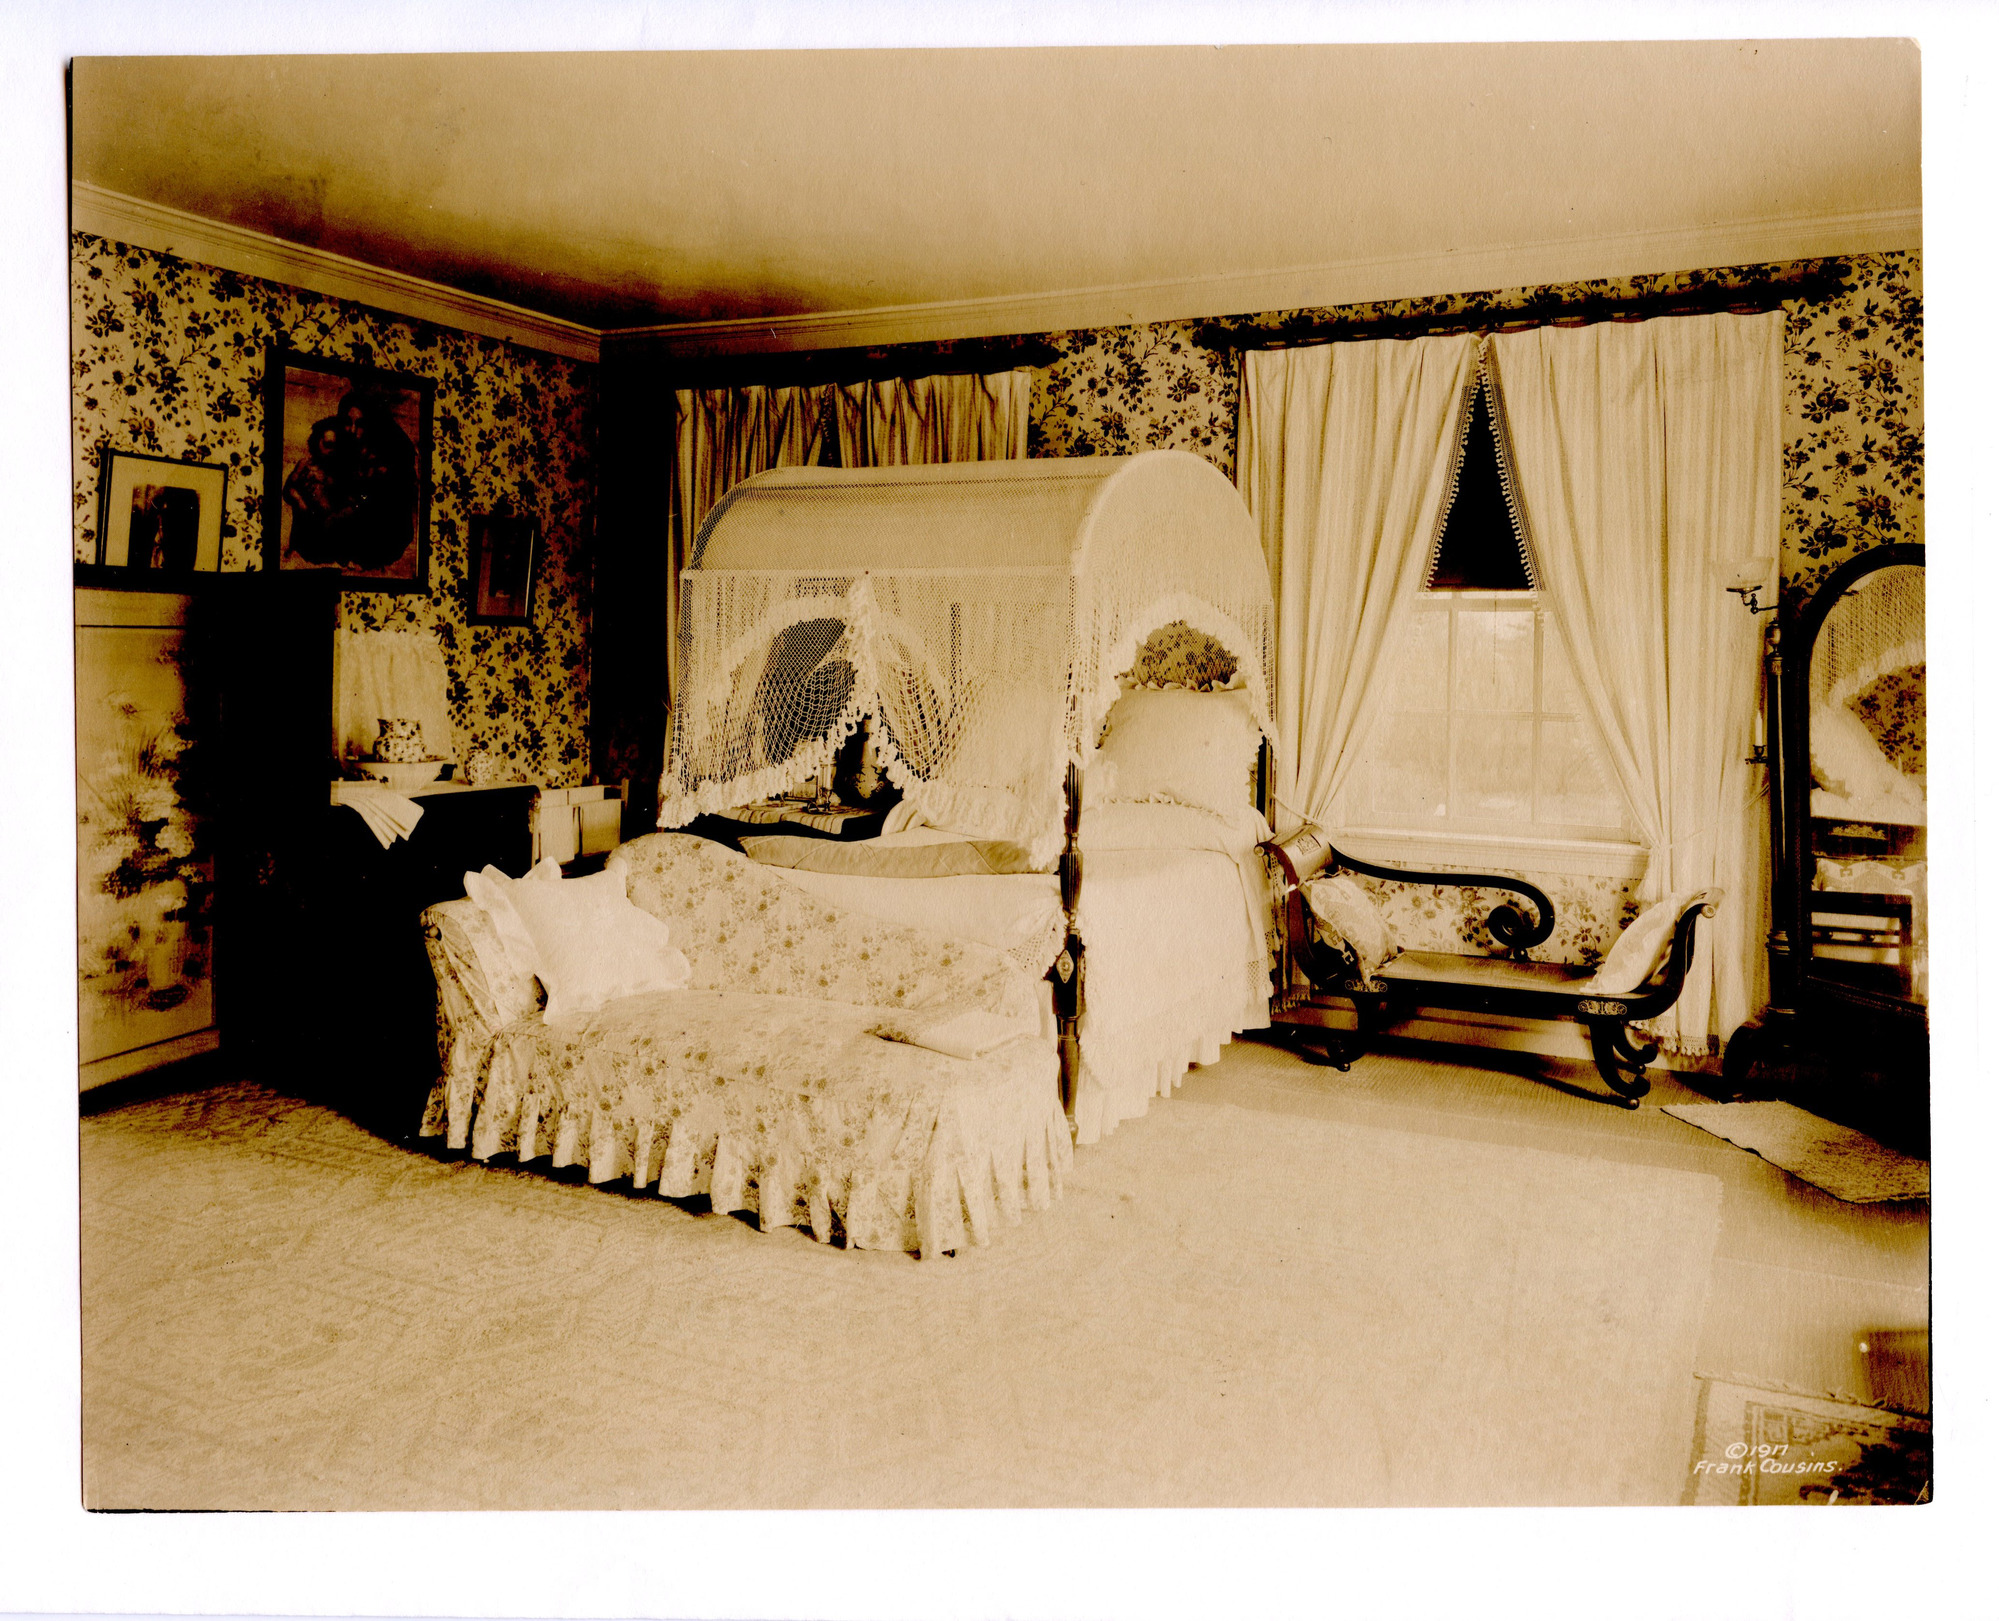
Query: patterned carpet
1228, 1307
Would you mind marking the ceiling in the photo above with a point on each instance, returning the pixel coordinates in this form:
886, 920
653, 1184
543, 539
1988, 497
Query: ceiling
621, 190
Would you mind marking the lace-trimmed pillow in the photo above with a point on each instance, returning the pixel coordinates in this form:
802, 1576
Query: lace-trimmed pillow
593, 946
1346, 921
1641, 950
489, 888
1191, 748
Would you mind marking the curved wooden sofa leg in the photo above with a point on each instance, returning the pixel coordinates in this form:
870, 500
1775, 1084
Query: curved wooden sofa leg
1619, 1062
1330, 1048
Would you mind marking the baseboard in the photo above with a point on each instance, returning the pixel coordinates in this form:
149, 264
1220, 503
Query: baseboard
191, 1073
102, 1071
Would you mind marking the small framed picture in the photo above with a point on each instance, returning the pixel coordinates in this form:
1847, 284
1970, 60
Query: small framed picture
500, 564
347, 471
159, 515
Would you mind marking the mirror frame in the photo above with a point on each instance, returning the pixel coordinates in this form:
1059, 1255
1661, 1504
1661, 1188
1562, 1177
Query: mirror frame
1799, 637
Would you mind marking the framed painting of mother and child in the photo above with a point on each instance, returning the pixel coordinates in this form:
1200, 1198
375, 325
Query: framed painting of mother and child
347, 470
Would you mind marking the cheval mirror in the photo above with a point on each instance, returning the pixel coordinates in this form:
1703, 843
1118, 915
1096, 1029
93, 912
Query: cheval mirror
1850, 908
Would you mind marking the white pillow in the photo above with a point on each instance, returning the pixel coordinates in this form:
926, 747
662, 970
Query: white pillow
1846, 761
592, 945
1192, 748
1345, 916
1641, 950
489, 889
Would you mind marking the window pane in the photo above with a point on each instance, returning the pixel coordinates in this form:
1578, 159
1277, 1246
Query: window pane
1574, 790
1420, 663
1495, 660
1406, 769
1559, 694
1492, 762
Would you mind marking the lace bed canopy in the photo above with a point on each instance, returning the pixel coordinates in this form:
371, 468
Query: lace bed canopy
979, 612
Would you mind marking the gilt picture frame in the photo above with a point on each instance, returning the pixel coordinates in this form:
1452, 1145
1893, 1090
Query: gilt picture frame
347, 451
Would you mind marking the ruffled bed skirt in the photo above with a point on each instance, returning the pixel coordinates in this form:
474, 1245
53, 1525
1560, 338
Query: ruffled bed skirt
771, 1105
1124, 1070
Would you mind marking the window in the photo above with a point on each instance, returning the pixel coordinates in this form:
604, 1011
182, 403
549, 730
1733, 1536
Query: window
1482, 733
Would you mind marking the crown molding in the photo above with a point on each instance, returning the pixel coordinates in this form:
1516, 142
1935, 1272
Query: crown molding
1353, 281
143, 224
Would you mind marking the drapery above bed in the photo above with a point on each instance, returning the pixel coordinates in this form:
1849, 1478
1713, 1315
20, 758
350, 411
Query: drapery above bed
980, 613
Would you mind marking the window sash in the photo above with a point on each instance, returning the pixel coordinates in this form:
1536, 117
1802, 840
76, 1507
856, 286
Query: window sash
1462, 724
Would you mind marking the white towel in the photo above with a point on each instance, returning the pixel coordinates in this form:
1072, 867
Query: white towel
389, 815
383, 675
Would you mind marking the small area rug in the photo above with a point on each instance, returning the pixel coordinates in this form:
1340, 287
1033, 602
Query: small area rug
1758, 1447
1229, 1307
1846, 1163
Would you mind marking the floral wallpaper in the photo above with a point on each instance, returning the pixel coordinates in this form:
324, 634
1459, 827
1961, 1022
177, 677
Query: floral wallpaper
1853, 419
1853, 428
168, 359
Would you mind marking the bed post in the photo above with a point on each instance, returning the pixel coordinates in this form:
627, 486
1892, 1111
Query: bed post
1067, 973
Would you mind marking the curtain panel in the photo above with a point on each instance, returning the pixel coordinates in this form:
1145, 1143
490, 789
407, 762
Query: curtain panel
907, 421
721, 437
1345, 454
1649, 457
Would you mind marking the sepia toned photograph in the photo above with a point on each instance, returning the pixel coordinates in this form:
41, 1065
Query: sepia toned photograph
161, 515
1218, 795
500, 564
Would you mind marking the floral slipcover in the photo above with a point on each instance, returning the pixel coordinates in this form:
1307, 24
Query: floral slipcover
758, 1085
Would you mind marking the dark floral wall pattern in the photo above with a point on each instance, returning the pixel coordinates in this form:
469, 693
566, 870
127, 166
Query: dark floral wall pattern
1853, 423
168, 358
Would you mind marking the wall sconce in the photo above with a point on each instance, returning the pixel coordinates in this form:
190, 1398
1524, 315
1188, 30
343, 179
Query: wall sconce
1754, 579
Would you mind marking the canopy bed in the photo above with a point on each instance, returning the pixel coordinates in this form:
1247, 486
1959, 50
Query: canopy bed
992, 625
1849, 947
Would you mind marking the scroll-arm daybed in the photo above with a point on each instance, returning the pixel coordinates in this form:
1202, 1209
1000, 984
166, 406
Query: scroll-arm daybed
1331, 995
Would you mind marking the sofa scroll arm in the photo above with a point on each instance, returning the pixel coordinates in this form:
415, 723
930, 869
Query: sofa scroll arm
1516, 929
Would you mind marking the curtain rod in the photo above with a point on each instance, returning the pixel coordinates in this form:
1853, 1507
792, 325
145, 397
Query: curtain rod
1811, 286
857, 365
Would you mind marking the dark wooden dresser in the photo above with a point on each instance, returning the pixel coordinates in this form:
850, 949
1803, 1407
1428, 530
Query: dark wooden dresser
357, 1029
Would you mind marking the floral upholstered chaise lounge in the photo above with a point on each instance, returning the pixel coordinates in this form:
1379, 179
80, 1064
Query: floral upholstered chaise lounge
760, 1084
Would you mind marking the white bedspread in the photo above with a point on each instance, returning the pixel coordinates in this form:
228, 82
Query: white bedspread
1173, 932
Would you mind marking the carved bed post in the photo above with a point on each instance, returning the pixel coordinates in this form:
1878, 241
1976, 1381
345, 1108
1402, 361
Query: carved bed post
1067, 973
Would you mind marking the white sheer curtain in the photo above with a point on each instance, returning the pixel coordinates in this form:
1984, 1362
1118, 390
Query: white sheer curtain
906, 421
1344, 455
721, 437
1649, 458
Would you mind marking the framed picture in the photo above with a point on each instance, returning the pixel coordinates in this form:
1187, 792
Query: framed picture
500, 567
158, 515
347, 471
